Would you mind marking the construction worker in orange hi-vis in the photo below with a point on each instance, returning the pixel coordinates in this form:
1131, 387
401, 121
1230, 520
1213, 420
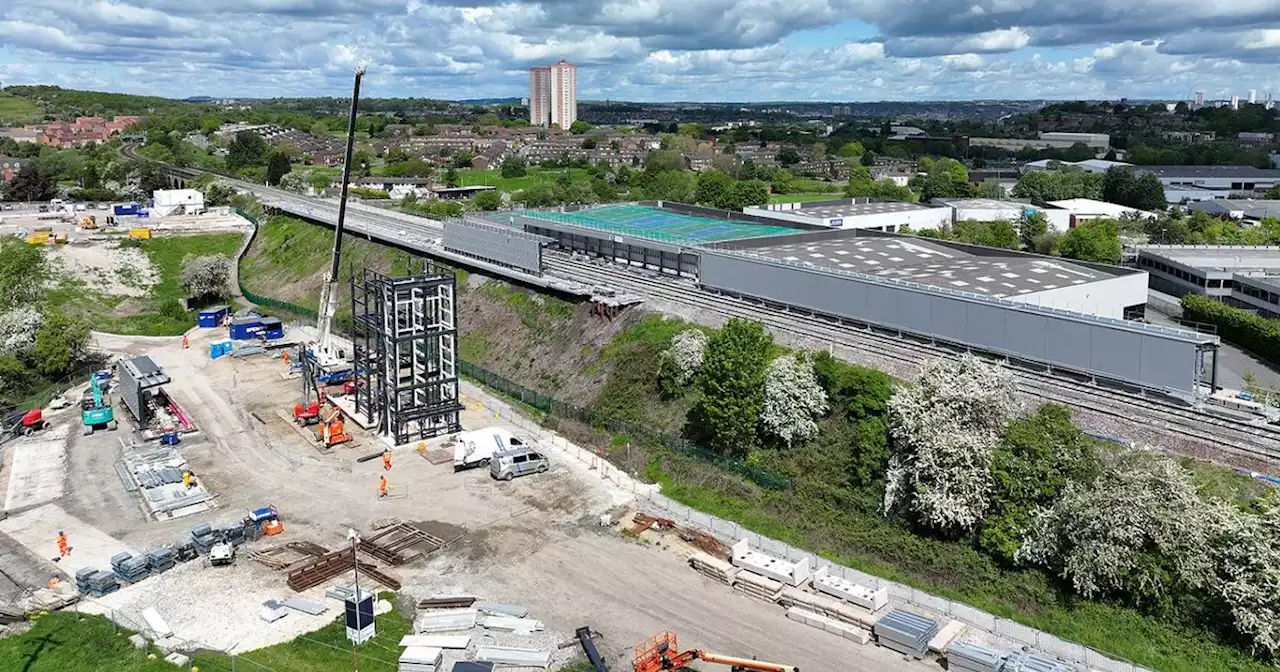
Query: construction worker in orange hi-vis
63, 549
386, 460
54, 581
185, 342
382, 486
285, 356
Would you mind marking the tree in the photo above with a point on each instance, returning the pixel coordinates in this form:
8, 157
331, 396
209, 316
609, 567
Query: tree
218, 193
1096, 240
277, 167
536, 196
713, 188
579, 127
1031, 226
681, 362
488, 200
788, 156
1000, 234
61, 343
663, 160
361, 162
451, 177
246, 149
604, 191
1119, 185
396, 155
23, 273
671, 186
18, 329
749, 192
411, 168
885, 189
1148, 194
944, 429
318, 129
859, 396
1037, 457
588, 143
868, 159
31, 184
941, 185
793, 399
851, 149
732, 387
463, 159
1247, 558
206, 276
514, 166
1139, 530
1057, 185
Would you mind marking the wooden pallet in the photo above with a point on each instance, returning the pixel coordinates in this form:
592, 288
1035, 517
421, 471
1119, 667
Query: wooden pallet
332, 565
270, 558
307, 548
391, 544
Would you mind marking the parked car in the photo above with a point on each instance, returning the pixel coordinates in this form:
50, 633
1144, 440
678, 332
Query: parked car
508, 464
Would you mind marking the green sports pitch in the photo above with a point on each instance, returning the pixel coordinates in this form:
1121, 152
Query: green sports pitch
647, 222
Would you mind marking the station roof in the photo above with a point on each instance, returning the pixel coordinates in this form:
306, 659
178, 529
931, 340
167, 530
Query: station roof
918, 260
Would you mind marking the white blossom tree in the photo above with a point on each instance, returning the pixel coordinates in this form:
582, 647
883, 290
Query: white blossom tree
206, 275
682, 361
944, 429
1137, 528
1248, 574
793, 399
297, 182
18, 328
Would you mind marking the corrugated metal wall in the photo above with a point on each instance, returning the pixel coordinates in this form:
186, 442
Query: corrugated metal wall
1152, 357
495, 243
129, 392
652, 254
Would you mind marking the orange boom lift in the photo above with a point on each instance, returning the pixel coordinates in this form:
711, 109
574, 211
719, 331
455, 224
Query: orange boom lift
661, 652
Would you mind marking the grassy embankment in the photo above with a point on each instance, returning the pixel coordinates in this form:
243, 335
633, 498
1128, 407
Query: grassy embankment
16, 110
69, 642
549, 346
156, 314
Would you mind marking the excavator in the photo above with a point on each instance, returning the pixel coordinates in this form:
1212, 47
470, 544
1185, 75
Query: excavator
662, 652
95, 407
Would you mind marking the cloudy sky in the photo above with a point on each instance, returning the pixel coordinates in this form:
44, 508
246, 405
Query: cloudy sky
651, 50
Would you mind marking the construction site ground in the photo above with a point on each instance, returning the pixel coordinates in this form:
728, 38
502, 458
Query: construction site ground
536, 541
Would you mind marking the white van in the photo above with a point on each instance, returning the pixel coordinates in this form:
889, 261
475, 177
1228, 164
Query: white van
475, 448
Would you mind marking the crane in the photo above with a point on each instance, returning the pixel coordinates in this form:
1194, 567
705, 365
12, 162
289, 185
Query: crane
329, 292
662, 652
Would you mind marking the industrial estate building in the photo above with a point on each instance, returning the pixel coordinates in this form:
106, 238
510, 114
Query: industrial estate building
1238, 179
1245, 276
856, 213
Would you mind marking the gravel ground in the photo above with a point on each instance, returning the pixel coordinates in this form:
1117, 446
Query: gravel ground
106, 268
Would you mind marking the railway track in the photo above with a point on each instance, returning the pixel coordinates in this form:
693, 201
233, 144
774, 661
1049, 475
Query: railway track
1257, 442
1175, 422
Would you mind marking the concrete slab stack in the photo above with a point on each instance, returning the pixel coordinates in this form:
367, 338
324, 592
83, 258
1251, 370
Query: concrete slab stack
516, 657
828, 624
161, 559
905, 632
445, 620
713, 568
780, 570
757, 586
974, 658
1034, 662
828, 606
203, 537
419, 659
511, 624
82, 578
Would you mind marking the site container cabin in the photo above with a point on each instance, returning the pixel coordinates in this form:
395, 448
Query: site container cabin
212, 316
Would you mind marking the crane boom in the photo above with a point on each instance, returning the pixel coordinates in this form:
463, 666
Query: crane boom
329, 292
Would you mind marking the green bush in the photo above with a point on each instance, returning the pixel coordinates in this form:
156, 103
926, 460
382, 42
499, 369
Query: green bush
1259, 335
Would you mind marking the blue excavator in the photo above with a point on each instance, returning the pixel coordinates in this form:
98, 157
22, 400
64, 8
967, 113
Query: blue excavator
95, 407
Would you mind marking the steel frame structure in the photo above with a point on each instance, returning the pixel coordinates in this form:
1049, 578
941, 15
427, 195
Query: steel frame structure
404, 337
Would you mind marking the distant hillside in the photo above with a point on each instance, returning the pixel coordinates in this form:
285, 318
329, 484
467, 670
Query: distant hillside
16, 111
490, 101
70, 102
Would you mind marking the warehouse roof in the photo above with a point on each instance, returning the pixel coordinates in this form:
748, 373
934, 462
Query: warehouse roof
856, 209
1217, 257
918, 260
1209, 171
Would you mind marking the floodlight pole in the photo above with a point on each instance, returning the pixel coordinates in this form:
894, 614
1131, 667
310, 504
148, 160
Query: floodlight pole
355, 564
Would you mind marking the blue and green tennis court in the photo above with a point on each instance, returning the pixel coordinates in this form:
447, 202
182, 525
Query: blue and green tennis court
645, 222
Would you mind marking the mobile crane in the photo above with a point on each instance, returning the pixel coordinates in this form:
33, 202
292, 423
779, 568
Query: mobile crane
327, 355
662, 652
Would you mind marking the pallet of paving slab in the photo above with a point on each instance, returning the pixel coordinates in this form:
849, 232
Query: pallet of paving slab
713, 568
827, 606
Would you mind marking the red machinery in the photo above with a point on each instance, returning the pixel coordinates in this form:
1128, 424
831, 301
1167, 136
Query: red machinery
308, 414
23, 424
661, 652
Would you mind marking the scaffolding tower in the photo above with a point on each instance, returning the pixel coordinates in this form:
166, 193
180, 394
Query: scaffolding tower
405, 335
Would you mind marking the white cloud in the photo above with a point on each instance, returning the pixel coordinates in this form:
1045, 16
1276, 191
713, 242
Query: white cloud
647, 49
